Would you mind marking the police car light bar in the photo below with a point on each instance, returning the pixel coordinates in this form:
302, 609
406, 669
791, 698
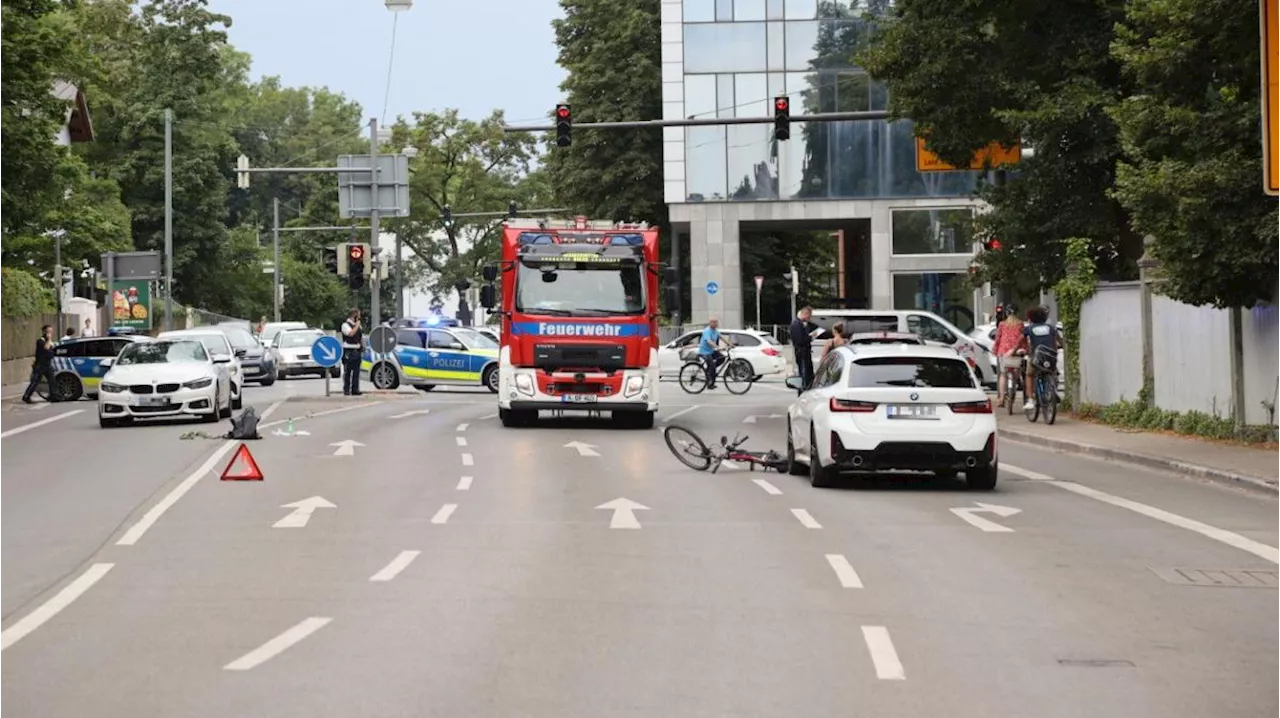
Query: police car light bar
575, 223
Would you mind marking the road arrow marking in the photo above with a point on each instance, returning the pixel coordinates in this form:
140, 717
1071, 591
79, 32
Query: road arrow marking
1004, 512
624, 516
346, 448
415, 412
302, 511
752, 419
583, 449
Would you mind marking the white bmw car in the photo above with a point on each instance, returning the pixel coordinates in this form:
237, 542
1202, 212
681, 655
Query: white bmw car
893, 407
164, 379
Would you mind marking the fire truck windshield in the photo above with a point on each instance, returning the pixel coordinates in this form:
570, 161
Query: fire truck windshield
585, 290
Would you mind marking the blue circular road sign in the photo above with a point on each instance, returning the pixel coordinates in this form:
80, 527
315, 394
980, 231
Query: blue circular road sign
327, 351
713, 287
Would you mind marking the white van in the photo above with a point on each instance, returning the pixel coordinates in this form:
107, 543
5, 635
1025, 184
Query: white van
927, 325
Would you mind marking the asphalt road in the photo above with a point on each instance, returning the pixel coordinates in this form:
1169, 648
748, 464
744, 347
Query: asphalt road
408, 556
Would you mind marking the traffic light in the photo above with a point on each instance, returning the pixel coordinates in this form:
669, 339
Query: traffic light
781, 118
564, 124
357, 256
331, 260
512, 209
447, 215
992, 245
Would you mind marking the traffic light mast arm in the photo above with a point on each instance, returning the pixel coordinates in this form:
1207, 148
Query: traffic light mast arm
710, 121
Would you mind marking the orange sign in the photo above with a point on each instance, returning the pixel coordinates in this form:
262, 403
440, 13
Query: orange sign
1270, 111
242, 467
997, 155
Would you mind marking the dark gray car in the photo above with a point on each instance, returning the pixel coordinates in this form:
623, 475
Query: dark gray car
258, 362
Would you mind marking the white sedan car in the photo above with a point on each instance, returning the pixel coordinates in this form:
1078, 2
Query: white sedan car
163, 379
892, 407
761, 349
220, 352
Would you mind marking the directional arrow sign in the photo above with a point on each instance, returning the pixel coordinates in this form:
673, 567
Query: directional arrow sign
624, 516
752, 419
346, 448
410, 413
302, 511
583, 449
969, 516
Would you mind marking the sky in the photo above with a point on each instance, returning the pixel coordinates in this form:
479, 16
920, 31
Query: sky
473, 55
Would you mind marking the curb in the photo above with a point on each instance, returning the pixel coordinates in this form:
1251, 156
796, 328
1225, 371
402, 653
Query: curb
366, 395
1146, 460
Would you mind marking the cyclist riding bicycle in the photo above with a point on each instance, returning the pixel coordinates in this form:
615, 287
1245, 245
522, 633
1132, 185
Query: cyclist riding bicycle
708, 350
1008, 339
1041, 342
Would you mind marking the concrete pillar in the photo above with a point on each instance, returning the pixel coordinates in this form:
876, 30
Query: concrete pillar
881, 249
714, 250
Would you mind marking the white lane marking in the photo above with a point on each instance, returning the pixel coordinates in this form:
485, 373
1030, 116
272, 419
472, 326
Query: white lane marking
805, 519
398, 564
313, 415
467, 460
136, 531
582, 448
486, 416
442, 516
844, 571
405, 414
270, 410
883, 655
277, 645
53, 606
39, 407
624, 516
463, 427
464, 483
462, 440
682, 412
1229, 538
768, 487
42, 422
346, 447
1026, 473
968, 515
302, 512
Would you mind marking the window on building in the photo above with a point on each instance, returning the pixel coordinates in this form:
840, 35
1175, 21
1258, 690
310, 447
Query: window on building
949, 295
724, 47
699, 10
748, 10
801, 9
932, 231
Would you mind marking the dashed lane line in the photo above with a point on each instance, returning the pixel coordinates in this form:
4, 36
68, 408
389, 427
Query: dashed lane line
489, 416
463, 427
680, 413
398, 564
805, 519
468, 460
35, 424
883, 655
464, 484
844, 571
768, 487
442, 516
47, 610
462, 440
277, 645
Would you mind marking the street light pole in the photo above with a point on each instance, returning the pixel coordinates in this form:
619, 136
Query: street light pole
375, 286
275, 248
168, 219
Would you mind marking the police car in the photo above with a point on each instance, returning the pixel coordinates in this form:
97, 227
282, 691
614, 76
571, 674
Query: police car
429, 357
77, 363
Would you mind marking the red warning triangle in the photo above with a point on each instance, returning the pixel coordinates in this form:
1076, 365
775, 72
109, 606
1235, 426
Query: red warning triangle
242, 467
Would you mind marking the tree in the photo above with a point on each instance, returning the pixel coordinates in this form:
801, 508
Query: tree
469, 167
970, 74
612, 50
1191, 135
37, 34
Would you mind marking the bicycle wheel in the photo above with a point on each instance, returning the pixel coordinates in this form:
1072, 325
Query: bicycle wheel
687, 447
693, 377
738, 376
1050, 392
1034, 412
1010, 392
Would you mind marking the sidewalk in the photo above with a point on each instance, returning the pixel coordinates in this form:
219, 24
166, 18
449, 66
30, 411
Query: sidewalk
1229, 463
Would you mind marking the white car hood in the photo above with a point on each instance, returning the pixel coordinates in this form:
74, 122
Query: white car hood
157, 373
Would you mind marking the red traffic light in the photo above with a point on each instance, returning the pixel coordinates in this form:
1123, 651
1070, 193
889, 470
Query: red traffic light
781, 104
562, 111
355, 252
994, 245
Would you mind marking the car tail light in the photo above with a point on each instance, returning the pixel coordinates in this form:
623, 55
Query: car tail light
849, 405
972, 407
769, 351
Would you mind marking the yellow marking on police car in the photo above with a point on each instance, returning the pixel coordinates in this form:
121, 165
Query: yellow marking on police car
456, 375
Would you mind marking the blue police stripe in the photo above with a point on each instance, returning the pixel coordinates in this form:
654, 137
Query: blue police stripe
589, 330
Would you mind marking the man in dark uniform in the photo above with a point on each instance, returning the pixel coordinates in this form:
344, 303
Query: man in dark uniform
42, 365
802, 345
352, 349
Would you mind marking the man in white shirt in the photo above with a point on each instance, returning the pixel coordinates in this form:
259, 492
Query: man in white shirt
352, 349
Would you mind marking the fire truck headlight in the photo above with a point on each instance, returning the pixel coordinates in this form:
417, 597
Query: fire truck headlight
635, 385
524, 384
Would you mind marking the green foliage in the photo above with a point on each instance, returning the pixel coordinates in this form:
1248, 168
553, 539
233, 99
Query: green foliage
312, 295
973, 73
1140, 415
1191, 136
612, 50
24, 295
771, 255
1071, 292
471, 167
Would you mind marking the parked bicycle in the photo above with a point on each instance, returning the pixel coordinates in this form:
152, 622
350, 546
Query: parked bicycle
689, 448
1046, 386
736, 374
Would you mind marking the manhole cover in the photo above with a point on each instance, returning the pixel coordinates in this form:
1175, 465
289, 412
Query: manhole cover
1094, 663
1220, 577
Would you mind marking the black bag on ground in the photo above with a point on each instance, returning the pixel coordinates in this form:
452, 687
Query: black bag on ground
245, 426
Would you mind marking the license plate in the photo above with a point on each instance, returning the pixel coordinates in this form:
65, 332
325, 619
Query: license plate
911, 411
152, 400
578, 398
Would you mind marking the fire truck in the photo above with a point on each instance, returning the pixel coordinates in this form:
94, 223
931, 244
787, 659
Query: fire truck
579, 308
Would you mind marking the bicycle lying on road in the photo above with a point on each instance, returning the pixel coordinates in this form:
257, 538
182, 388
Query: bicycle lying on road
689, 448
736, 374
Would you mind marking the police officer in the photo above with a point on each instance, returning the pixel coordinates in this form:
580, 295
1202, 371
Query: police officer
42, 365
352, 349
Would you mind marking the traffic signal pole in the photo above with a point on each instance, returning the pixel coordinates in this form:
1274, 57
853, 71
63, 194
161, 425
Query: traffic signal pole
375, 284
709, 121
275, 251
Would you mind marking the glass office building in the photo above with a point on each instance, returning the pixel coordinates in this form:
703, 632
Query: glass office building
727, 58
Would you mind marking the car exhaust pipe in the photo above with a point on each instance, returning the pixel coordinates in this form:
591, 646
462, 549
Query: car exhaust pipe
857, 460
970, 462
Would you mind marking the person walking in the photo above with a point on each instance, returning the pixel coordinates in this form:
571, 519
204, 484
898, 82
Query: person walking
802, 345
352, 350
42, 365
